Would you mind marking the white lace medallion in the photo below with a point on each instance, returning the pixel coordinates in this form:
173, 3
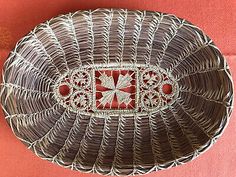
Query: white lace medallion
113, 89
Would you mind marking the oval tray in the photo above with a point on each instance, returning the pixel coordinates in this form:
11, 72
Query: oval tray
117, 92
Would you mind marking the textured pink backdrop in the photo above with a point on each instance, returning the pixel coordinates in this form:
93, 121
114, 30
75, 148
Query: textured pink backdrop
216, 17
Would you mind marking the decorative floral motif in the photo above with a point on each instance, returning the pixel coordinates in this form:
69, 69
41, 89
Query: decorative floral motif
115, 89
80, 100
80, 79
157, 89
151, 100
74, 91
150, 78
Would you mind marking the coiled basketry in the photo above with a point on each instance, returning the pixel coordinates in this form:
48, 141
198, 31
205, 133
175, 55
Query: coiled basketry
117, 92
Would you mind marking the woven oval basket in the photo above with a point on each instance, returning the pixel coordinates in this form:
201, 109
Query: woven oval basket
117, 92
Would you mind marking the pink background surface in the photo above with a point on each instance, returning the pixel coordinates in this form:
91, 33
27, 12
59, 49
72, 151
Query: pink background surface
216, 18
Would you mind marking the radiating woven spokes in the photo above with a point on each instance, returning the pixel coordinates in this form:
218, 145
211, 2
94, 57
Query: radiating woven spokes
85, 128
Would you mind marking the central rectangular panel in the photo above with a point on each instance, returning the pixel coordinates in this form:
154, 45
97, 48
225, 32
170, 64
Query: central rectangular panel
115, 89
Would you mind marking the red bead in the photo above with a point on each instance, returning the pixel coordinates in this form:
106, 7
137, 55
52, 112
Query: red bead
64, 90
167, 88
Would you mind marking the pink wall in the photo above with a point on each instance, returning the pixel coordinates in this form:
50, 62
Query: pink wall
217, 18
